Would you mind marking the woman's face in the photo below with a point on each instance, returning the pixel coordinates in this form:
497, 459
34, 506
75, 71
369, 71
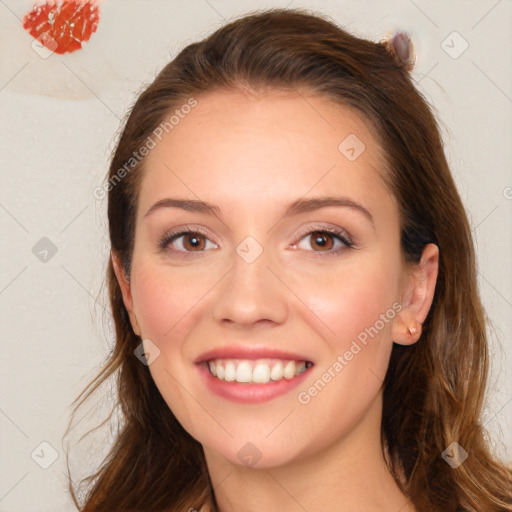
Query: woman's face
255, 283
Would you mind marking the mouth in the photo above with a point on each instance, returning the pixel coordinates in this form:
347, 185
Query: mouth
256, 371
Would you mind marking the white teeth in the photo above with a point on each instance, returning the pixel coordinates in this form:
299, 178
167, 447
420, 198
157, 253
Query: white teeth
219, 371
260, 371
302, 367
277, 371
244, 372
289, 370
230, 371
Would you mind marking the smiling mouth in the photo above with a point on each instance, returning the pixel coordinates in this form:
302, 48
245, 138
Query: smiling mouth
259, 371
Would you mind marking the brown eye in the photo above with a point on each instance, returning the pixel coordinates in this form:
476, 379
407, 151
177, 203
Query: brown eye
321, 240
193, 241
186, 242
325, 242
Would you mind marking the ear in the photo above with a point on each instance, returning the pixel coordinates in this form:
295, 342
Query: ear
417, 297
126, 292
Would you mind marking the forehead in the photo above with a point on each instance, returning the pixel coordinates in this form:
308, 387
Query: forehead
237, 147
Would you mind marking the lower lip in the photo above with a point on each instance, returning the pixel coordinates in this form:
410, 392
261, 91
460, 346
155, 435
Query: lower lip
249, 393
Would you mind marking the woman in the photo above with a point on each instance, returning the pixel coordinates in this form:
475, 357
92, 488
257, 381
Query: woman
293, 286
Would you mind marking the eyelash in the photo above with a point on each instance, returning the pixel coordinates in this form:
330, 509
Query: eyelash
337, 234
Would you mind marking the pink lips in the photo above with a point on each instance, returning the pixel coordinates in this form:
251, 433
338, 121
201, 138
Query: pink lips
239, 352
246, 392
249, 393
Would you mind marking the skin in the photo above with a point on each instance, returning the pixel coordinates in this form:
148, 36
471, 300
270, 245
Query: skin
251, 155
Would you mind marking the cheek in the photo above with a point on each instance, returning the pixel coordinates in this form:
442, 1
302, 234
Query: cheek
352, 299
358, 306
168, 308
164, 301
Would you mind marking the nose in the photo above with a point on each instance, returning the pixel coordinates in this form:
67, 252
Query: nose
251, 293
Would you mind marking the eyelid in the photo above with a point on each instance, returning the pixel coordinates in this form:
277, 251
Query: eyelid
183, 230
323, 227
175, 233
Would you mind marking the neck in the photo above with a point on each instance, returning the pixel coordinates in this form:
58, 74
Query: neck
350, 475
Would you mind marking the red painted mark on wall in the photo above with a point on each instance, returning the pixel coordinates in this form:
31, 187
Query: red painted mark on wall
63, 26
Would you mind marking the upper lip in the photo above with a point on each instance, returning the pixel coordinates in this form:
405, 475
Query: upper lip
241, 352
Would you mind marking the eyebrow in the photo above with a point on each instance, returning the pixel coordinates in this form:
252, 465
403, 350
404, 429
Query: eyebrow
296, 207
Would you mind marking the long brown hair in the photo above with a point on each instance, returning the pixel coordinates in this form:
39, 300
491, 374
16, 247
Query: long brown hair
434, 389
